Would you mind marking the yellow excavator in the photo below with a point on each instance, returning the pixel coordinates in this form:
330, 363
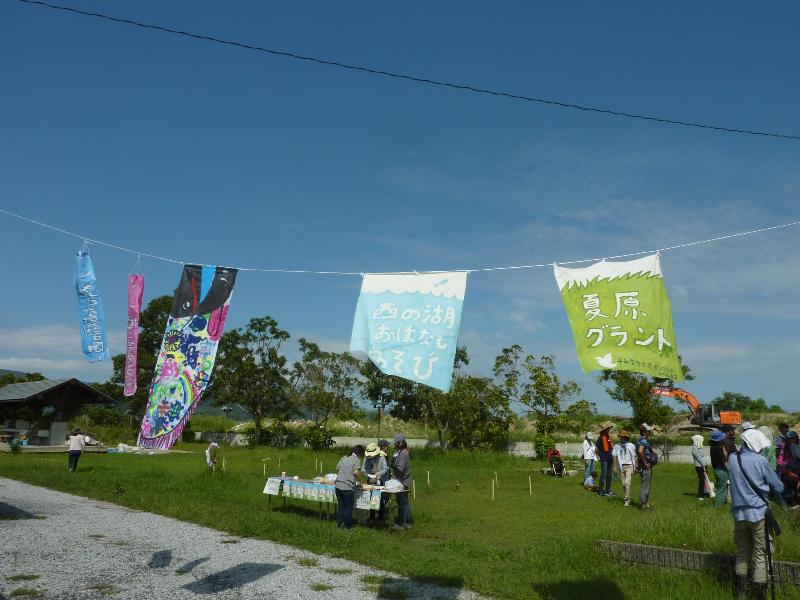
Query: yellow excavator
706, 416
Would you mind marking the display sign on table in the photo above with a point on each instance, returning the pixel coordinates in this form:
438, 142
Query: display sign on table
273, 487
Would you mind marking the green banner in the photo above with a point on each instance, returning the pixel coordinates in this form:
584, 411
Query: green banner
621, 317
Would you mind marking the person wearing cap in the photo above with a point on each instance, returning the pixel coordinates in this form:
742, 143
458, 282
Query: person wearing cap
624, 454
348, 472
644, 452
719, 464
749, 510
375, 468
401, 471
699, 462
603, 449
589, 455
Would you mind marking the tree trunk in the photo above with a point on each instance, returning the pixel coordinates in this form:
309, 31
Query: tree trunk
256, 429
442, 440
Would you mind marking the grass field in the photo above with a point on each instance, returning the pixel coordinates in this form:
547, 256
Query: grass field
521, 545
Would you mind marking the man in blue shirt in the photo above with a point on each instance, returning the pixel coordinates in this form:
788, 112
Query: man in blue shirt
749, 510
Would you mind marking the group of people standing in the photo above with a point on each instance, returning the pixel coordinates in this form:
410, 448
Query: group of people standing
374, 466
624, 458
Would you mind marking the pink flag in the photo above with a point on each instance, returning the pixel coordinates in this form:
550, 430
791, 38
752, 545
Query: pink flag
135, 291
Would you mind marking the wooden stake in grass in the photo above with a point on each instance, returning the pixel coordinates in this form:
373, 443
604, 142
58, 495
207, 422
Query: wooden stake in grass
429, 478
492, 489
414, 489
496, 480
530, 487
223, 465
265, 468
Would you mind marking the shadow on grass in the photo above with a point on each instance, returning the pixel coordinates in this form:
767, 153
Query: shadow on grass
10, 512
578, 590
233, 577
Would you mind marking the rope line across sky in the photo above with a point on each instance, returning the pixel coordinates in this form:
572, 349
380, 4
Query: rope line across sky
414, 78
138, 253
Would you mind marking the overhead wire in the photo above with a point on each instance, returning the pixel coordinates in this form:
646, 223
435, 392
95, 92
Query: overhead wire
89, 240
413, 78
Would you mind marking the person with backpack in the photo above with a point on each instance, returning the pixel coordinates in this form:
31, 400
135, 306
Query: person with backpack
603, 449
625, 458
647, 460
719, 463
751, 479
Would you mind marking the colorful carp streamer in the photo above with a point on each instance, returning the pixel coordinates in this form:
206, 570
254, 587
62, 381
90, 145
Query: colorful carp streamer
135, 292
186, 359
90, 310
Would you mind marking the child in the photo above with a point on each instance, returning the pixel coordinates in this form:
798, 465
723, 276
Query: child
211, 456
77, 442
589, 483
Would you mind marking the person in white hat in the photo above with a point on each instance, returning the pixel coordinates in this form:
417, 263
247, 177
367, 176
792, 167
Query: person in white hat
751, 479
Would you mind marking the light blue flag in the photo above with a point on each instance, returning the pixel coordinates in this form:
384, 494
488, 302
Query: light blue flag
408, 324
90, 310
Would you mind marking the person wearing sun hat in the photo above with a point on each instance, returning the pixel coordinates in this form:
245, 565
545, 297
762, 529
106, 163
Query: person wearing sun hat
375, 468
624, 454
401, 471
751, 479
603, 448
646, 457
589, 455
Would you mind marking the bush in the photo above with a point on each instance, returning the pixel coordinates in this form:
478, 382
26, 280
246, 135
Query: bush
318, 437
97, 415
542, 442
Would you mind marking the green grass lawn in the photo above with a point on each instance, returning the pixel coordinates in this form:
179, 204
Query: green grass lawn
517, 546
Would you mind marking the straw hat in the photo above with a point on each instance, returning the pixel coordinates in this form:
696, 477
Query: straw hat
372, 450
624, 433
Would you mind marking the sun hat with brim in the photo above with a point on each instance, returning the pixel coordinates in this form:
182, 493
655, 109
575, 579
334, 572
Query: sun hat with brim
717, 435
747, 425
372, 450
382, 443
399, 438
624, 433
646, 427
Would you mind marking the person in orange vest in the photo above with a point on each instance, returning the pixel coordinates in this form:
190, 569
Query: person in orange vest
604, 448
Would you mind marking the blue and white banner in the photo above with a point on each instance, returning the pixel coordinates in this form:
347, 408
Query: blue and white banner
408, 324
90, 310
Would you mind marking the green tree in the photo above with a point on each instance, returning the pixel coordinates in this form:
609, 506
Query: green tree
744, 404
152, 324
580, 414
9, 377
534, 384
415, 401
251, 372
480, 414
633, 389
324, 383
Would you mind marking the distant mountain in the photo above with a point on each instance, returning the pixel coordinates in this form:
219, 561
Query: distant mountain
17, 373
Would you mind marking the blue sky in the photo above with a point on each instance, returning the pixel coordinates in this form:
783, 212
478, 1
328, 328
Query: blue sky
218, 155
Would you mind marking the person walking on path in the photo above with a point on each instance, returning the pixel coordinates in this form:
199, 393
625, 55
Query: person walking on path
699, 461
719, 463
77, 443
348, 470
647, 459
401, 471
624, 454
751, 479
589, 455
603, 449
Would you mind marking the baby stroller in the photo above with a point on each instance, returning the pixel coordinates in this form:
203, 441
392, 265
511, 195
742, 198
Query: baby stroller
556, 464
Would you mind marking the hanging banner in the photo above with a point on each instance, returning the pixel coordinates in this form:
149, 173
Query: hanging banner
408, 324
90, 310
188, 350
135, 291
621, 317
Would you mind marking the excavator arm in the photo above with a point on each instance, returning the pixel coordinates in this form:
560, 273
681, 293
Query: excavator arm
677, 393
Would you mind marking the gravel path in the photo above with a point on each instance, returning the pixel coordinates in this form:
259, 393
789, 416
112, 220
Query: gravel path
87, 549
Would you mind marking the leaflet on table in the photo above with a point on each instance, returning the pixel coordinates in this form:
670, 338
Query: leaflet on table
273, 486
